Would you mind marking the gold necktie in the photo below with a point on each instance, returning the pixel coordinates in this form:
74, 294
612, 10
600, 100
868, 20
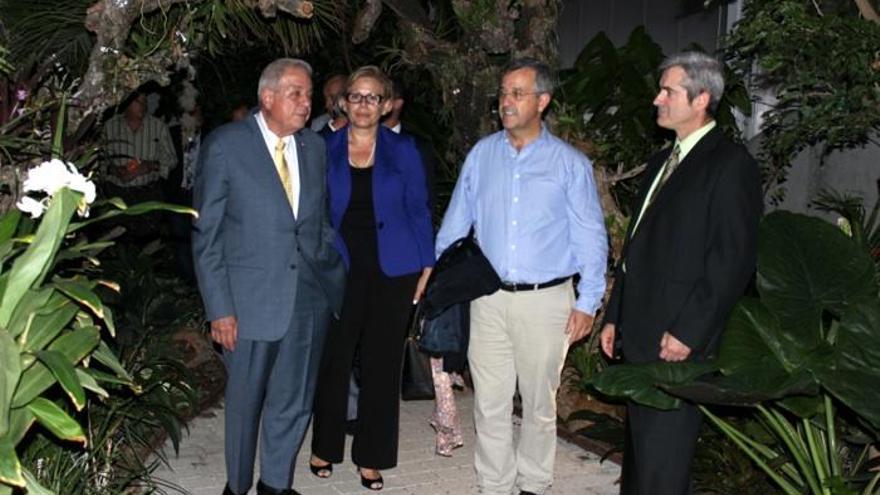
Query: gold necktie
668, 168
283, 171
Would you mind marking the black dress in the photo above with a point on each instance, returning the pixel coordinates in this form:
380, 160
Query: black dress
374, 318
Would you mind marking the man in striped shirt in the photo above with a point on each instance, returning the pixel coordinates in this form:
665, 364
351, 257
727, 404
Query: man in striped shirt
139, 148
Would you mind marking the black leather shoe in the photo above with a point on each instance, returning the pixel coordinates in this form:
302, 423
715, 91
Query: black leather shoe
228, 491
523, 492
264, 489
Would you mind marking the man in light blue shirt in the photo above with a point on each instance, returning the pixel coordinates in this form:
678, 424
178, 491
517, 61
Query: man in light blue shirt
532, 202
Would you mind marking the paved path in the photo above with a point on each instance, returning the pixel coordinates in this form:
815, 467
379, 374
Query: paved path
199, 468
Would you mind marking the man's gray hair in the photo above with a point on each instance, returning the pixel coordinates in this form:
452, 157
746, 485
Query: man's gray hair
704, 73
272, 73
544, 82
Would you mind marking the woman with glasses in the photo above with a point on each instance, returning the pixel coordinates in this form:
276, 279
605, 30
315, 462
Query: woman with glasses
379, 207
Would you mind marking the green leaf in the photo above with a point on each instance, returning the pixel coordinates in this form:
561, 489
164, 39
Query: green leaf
54, 419
137, 209
740, 390
49, 322
89, 383
20, 421
853, 375
32, 265
806, 265
33, 486
106, 357
639, 382
10, 467
65, 373
80, 290
32, 301
9, 224
10, 373
58, 138
75, 345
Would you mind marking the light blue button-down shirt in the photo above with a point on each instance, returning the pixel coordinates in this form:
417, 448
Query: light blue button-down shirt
535, 212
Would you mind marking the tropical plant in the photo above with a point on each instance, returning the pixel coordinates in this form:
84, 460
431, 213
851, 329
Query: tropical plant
805, 356
122, 429
50, 315
784, 48
862, 226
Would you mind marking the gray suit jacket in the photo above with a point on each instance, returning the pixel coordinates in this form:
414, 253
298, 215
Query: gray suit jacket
251, 255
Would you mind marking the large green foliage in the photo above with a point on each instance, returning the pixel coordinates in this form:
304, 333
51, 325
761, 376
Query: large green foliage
810, 345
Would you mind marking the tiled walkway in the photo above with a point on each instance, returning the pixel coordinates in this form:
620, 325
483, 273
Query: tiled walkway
199, 468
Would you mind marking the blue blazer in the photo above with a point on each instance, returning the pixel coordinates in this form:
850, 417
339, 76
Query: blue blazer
400, 201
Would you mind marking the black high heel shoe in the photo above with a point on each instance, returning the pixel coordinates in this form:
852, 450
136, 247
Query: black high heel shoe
322, 472
374, 484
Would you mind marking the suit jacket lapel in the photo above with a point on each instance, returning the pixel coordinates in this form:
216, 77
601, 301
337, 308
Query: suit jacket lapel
306, 171
695, 158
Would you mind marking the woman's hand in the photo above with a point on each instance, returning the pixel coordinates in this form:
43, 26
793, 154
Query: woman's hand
420, 286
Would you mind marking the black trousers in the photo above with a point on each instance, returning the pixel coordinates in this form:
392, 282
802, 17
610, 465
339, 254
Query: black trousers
374, 318
659, 450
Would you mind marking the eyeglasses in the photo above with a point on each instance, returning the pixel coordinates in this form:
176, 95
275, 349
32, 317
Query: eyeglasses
368, 98
517, 94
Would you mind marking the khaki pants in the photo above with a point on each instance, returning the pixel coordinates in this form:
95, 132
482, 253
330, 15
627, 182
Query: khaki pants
517, 338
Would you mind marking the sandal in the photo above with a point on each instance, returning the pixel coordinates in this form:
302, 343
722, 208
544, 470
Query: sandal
323, 472
374, 484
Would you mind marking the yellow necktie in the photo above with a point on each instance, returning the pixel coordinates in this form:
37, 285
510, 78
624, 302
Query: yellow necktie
283, 172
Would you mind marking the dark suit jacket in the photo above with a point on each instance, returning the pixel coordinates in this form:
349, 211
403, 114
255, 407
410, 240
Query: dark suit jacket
251, 254
400, 200
693, 253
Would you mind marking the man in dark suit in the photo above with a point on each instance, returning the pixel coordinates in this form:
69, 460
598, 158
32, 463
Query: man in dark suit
269, 275
689, 255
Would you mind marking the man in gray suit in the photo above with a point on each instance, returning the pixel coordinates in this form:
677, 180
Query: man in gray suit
269, 275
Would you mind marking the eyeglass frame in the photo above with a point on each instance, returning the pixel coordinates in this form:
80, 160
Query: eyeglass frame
356, 98
518, 94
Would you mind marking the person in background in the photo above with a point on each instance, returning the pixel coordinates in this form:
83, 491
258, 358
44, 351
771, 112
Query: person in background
334, 87
689, 254
379, 207
269, 275
445, 369
240, 111
139, 152
533, 205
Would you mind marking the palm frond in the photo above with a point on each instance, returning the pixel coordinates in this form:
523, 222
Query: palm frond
47, 30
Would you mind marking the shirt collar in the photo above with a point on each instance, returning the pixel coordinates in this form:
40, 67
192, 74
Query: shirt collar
543, 136
687, 144
270, 137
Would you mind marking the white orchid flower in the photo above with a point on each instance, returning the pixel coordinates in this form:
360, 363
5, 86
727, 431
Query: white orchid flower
31, 206
49, 177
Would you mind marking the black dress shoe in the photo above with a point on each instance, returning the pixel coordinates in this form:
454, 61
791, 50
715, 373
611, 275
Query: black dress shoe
523, 492
228, 491
264, 489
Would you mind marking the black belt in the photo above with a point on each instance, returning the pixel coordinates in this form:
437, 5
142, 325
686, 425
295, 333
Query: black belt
505, 286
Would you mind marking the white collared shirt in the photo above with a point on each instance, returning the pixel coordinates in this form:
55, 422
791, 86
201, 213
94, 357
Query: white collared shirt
290, 154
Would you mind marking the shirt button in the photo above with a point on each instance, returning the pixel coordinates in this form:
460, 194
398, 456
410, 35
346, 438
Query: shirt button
516, 176
513, 247
516, 199
514, 223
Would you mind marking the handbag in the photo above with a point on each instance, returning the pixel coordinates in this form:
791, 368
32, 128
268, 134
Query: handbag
416, 379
